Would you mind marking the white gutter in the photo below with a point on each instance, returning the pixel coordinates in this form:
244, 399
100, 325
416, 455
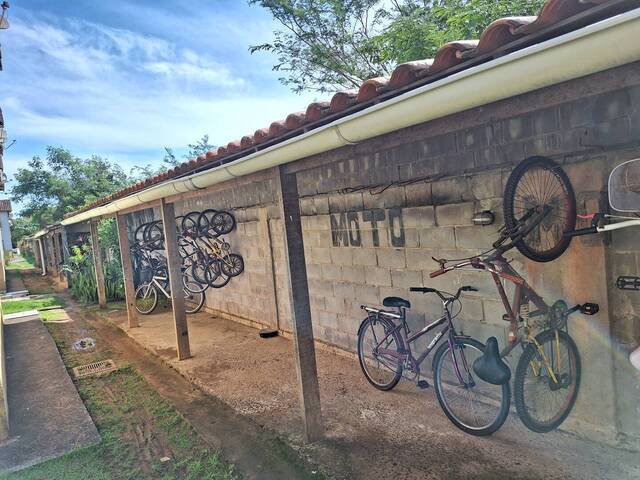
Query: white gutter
600, 46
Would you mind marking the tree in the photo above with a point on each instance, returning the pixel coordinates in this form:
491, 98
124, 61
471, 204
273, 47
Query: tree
337, 44
63, 183
201, 147
22, 227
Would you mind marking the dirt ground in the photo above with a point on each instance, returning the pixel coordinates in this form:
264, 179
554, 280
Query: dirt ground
369, 433
132, 396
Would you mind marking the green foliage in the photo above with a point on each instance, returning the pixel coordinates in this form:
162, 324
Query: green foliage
63, 183
23, 227
82, 272
336, 44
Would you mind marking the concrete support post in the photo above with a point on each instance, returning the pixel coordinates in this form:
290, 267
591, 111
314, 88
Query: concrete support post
65, 254
43, 263
127, 271
304, 346
97, 263
174, 264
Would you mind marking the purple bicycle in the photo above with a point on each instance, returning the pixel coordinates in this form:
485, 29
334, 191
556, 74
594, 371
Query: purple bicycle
385, 353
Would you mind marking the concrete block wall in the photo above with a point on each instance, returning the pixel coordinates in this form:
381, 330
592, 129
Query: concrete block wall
375, 214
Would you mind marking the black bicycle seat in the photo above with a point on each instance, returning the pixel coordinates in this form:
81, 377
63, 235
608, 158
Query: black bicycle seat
490, 367
396, 302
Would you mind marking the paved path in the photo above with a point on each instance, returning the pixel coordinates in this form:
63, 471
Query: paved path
47, 416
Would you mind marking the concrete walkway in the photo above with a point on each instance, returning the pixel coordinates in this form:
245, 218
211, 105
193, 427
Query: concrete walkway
369, 433
47, 416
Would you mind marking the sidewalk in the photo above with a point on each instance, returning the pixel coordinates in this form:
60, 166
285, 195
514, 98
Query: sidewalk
47, 416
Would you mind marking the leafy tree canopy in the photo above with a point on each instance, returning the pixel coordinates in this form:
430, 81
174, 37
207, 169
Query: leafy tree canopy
62, 182
327, 45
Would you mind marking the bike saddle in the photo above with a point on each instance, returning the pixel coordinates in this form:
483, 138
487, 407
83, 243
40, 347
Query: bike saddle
396, 302
490, 367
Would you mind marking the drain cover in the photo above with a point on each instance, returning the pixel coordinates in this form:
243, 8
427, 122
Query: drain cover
103, 366
84, 344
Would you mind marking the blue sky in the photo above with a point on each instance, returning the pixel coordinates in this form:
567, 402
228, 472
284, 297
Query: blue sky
123, 79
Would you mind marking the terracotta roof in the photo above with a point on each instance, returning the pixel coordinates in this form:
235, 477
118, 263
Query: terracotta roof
5, 205
502, 36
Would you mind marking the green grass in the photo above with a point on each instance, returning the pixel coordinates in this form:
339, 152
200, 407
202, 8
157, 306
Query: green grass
52, 315
15, 306
21, 265
137, 426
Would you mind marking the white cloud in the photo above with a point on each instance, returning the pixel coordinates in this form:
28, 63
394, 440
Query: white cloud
105, 90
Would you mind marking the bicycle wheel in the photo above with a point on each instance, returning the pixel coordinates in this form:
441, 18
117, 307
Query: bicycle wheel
193, 301
223, 223
383, 371
189, 223
232, 265
474, 406
146, 298
538, 182
542, 403
214, 276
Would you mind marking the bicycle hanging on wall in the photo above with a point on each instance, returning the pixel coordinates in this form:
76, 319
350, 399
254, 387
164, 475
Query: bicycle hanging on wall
624, 197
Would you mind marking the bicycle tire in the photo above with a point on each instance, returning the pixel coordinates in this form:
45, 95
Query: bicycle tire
527, 356
223, 223
154, 299
236, 268
568, 218
189, 223
505, 400
387, 325
196, 299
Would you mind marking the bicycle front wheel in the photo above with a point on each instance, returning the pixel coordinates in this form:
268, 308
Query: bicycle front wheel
547, 381
473, 405
537, 183
146, 298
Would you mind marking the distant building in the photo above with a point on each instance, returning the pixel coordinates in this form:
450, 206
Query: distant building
5, 214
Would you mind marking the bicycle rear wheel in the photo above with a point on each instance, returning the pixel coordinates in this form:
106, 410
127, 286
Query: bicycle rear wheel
382, 370
535, 183
474, 406
543, 403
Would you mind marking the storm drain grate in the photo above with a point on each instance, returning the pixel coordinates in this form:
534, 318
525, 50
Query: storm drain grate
103, 366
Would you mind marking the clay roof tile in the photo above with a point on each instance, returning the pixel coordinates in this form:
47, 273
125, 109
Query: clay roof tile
343, 100
261, 135
247, 141
317, 110
295, 120
450, 55
409, 72
371, 88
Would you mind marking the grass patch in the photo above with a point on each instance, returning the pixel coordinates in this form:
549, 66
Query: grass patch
138, 427
15, 306
52, 315
19, 265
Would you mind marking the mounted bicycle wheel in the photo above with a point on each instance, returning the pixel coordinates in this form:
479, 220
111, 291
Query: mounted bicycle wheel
214, 276
473, 405
232, 265
193, 301
536, 183
146, 298
543, 402
223, 223
189, 223
381, 369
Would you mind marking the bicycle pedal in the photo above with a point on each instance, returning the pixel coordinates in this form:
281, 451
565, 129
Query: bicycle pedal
423, 384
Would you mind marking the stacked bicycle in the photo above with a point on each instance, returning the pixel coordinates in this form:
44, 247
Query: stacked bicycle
207, 260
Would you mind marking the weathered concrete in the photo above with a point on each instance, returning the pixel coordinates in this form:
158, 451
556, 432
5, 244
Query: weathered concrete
47, 416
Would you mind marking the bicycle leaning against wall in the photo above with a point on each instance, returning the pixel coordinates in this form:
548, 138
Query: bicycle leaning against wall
539, 208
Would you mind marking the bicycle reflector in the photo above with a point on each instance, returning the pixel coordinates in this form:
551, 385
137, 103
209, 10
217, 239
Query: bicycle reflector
624, 187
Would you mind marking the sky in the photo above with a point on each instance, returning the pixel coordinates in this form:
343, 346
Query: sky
124, 79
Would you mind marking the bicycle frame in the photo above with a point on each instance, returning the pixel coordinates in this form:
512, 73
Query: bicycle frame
408, 338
